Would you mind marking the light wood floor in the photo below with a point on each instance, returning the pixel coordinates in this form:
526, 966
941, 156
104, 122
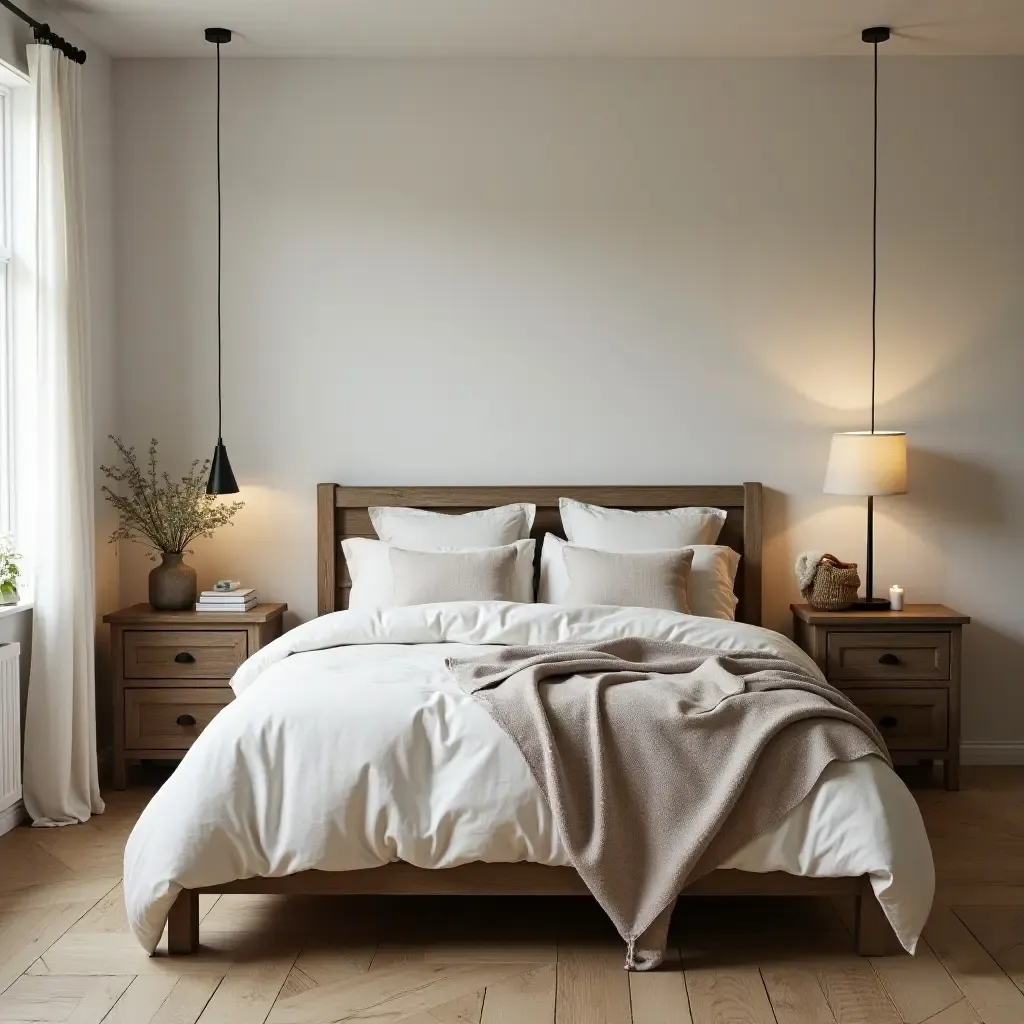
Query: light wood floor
66, 953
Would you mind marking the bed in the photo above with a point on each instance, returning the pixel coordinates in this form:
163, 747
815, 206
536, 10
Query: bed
889, 877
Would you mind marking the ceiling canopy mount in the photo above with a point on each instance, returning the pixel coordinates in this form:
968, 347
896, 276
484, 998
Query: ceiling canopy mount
878, 34
223, 35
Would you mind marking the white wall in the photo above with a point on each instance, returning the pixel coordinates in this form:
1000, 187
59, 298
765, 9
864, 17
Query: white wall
590, 271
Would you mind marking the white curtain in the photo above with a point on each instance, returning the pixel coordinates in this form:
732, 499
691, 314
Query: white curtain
60, 777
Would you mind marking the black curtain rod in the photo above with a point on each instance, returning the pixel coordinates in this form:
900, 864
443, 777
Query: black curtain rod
43, 34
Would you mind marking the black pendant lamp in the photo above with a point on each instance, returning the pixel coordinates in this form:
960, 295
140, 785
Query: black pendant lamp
222, 479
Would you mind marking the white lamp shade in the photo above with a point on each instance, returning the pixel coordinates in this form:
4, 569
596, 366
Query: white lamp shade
867, 463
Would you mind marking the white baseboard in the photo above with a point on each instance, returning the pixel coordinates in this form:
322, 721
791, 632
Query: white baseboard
992, 752
12, 817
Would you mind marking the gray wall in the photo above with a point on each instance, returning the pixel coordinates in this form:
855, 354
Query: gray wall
15, 35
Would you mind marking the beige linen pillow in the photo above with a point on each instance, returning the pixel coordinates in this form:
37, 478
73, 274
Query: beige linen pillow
636, 579
369, 568
619, 529
710, 588
428, 577
418, 529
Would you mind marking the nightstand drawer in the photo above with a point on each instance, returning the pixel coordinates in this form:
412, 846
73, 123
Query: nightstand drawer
869, 657
183, 654
169, 718
909, 719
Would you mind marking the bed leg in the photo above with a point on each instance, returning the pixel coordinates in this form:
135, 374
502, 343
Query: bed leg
183, 923
874, 937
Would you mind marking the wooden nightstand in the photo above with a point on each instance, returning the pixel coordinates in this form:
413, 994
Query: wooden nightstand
902, 669
171, 671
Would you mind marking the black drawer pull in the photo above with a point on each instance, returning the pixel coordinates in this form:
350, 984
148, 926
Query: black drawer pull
888, 659
184, 658
189, 720
888, 721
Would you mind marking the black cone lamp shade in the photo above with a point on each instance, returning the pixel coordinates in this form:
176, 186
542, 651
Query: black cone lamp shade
222, 479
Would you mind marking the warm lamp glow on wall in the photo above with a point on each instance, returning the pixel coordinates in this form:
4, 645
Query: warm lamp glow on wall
870, 463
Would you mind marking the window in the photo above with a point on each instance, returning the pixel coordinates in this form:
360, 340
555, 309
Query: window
7, 456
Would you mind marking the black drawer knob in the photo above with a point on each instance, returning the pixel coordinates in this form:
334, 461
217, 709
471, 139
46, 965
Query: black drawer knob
185, 720
888, 721
888, 659
184, 658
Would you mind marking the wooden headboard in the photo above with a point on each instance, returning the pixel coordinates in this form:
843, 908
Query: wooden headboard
341, 512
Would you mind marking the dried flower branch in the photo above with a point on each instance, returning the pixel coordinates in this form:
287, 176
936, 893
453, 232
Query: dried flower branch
156, 510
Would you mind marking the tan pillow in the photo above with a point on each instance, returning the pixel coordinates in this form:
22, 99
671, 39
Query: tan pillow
427, 577
637, 579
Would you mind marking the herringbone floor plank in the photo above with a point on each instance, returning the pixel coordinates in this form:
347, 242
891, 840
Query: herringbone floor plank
66, 954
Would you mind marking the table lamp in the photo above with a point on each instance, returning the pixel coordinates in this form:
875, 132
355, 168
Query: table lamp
868, 463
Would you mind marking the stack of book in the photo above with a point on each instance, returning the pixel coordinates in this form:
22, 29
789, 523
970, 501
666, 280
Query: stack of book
241, 600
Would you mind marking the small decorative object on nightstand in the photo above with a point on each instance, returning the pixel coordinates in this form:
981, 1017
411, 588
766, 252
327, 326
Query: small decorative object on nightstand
902, 669
171, 672
826, 583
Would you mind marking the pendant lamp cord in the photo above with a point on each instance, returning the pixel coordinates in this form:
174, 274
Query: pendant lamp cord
219, 389
875, 230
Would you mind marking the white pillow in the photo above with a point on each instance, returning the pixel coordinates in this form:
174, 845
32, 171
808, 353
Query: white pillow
616, 529
373, 585
432, 577
421, 530
630, 579
710, 588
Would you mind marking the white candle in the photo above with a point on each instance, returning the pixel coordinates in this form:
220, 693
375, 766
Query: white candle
896, 598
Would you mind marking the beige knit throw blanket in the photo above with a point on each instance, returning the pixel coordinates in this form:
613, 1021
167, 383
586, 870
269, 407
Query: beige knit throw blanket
660, 760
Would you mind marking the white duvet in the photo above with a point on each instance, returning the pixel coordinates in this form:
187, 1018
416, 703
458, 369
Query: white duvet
350, 746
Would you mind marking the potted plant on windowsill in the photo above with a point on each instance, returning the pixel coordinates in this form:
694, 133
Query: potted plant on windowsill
9, 572
167, 515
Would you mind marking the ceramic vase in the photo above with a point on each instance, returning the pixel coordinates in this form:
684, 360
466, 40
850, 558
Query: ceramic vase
172, 584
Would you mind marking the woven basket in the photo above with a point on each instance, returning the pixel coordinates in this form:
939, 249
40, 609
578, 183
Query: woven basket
834, 586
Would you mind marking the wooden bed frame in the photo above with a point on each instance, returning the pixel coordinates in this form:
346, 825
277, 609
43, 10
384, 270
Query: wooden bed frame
342, 513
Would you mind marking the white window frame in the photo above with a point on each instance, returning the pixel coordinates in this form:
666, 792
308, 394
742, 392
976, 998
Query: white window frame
8, 455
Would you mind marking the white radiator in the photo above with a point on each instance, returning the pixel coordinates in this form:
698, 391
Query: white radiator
10, 738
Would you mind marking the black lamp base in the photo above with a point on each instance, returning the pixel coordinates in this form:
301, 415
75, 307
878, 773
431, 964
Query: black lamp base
870, 604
